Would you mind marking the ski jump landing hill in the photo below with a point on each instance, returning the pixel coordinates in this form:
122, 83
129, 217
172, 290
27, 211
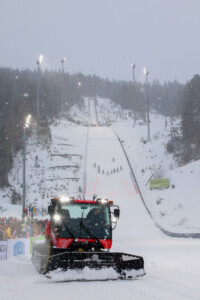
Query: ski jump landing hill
110, 176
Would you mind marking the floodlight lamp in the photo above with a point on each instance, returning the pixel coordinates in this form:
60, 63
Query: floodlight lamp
65, 199
146, 72
102, 201
40, 58
39, 61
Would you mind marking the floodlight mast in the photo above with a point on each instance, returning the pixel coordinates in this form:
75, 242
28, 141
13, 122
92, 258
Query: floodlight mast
134, 94
26, 125
146, 73
62, 63
39, 61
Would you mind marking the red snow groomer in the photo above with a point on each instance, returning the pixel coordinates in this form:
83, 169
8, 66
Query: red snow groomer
79, 235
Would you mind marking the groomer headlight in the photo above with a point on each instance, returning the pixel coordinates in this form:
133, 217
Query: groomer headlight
102, 201
65, 199
113, 219
57, 218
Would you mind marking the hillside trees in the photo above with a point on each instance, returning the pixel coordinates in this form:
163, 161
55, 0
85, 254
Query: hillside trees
191, 119
166, 99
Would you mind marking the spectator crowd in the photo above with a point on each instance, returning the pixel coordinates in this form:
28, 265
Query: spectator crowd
12, 228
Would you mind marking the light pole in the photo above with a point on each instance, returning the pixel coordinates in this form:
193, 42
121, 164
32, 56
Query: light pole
62, 62
62, 85
26, 125
80, 92
39, 61
133, 68
148, 123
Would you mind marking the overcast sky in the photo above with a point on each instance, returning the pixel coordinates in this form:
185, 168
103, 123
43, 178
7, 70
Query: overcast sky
103, 37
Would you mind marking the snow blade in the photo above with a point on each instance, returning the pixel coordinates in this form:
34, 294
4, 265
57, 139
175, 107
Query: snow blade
120, 262
125, 265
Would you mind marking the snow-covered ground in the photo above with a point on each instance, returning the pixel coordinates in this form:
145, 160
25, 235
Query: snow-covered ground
172, 264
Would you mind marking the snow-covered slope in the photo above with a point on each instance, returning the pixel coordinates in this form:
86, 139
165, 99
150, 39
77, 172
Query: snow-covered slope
52, 168
175, 209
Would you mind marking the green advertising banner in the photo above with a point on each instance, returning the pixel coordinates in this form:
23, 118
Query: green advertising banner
159, 184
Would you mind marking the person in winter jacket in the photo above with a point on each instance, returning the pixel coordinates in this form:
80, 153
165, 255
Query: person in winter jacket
7, 232
2, 234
